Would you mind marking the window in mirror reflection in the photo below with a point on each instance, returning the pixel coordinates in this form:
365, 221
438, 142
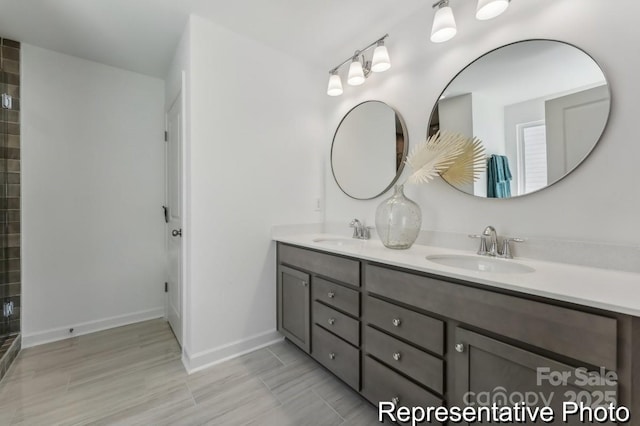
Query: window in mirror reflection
538, 106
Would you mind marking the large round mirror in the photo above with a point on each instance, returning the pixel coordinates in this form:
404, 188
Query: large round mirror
368, 150
539, 107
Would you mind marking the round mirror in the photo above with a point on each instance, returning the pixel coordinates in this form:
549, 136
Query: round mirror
539, 107
368, 150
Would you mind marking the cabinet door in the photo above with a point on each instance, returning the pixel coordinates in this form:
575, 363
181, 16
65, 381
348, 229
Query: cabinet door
294, 318
486, 371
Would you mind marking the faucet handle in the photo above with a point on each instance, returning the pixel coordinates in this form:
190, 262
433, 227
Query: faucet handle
506, 248
355, 224
366, 232
482, 250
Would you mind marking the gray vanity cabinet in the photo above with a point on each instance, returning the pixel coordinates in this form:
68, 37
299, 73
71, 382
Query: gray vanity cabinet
294, 310
319, 308
415, 338
489, 371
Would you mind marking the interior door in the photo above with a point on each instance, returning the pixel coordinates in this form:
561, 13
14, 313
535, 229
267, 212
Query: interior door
174, 216
571, 122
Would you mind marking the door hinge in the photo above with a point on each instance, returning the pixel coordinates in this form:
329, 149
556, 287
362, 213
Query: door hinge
166, 287
166, 136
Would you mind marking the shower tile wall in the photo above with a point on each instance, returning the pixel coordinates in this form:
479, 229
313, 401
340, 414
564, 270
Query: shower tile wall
10, 282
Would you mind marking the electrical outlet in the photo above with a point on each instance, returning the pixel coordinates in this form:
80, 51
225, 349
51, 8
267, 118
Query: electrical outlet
7, 309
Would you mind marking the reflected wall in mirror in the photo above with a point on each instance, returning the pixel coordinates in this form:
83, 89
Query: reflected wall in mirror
368, 150
539, 107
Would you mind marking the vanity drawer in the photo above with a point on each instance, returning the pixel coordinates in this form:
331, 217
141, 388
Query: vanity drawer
413, 362
336, 322
583, 336
380, 383
337, 355
339, 268
336, 295
419, 329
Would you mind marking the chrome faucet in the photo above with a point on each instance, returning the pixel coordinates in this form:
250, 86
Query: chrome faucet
360, 231
490, 232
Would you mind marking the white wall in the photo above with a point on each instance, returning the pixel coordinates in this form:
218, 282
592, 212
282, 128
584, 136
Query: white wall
597, 202
256, 125
92, 182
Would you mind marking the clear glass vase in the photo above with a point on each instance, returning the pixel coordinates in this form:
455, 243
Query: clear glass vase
398, 220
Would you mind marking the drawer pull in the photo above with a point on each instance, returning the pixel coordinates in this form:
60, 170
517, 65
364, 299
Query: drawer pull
395, 400
304, 283
396, 322
459, 347
397, 356
331, 295
331, 321
332, 356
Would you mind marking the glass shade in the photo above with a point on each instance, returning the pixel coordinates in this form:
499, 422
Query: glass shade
444, 25
489, 9
380, 61
335, 85
356, 74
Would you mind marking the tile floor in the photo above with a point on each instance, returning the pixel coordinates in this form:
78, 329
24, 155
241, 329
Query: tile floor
133, 376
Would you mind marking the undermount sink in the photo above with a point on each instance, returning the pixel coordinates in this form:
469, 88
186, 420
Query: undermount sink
339, 242
480, 264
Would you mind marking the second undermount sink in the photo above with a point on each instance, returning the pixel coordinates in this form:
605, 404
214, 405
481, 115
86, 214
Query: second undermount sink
480, 264
338, 241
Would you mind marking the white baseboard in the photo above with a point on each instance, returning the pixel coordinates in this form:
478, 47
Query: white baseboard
205, 359
61, 333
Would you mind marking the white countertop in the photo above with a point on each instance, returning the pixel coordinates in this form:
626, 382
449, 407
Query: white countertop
599, 288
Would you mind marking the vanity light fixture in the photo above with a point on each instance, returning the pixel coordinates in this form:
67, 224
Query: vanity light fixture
360, 68
356, 71
444, 24
335, 84
489, 9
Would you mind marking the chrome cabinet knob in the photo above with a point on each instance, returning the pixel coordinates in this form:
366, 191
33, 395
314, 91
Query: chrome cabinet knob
331, 321
176, 232
332, 356
397, 356
331, 295
304, 283
396, 322
459, 347
395, 400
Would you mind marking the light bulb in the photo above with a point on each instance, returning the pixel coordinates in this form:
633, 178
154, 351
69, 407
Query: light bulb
380, 61
356, 73
489, 9
335, 84
444, 24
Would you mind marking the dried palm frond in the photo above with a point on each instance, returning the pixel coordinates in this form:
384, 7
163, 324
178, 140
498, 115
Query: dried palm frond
469, 164
434, 156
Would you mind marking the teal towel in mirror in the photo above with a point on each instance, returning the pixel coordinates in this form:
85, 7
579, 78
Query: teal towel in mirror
498, 177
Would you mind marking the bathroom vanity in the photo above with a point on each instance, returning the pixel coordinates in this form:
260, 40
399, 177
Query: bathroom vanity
398, 328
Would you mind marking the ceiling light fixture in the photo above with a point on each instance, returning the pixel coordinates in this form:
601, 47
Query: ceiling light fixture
360, 68
444, 24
